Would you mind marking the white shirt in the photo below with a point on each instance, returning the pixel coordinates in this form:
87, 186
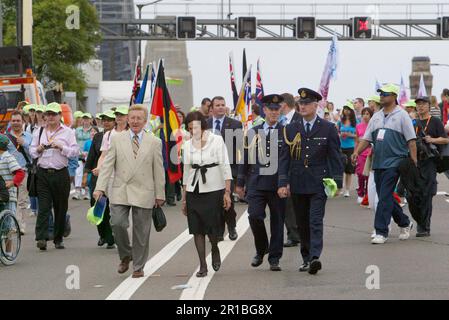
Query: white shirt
139, 135
214, 124
311, 123
289, 116
213, 152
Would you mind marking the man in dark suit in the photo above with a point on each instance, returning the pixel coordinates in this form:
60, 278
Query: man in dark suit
219, 123
310, 153
259, 173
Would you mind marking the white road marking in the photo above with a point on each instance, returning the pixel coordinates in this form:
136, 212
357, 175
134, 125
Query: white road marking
198, 286
441, 193
447, 200
130, 285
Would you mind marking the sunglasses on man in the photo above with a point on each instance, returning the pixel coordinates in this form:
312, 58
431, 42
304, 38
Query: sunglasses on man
386, 94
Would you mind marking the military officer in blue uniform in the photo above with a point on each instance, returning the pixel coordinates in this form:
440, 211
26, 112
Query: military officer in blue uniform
310, 153
259, 174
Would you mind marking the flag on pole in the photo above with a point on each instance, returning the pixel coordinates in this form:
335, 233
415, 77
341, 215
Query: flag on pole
241, 109
235, 95
330, 68
403, 96
249, 110
377, 86
141, 95
163, 107
244, 64
422, 92
136, 85
259, 88
153, 78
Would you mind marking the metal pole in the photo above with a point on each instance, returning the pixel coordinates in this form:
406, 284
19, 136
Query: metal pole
19, 22
1, 26
140, 41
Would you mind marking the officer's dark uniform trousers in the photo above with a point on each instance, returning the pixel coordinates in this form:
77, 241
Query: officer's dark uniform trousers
319, 158
262, 192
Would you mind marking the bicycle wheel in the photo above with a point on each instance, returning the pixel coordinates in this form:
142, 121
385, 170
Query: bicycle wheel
10, 239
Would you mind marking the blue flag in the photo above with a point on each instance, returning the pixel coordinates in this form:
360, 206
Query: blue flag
141, 95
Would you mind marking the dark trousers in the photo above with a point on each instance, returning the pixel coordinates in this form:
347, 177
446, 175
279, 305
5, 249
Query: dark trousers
104, 228
310, 209
169, 190
386, 180
53, 191
257, 202
290, 222
422, 213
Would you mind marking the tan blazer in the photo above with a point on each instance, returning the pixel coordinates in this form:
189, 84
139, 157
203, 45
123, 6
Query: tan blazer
137, 181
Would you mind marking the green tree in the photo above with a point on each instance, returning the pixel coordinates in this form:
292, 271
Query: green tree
58, 51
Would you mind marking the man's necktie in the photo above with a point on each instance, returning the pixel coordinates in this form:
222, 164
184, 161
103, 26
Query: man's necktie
269, 132
307, 128
217, 127
136, 145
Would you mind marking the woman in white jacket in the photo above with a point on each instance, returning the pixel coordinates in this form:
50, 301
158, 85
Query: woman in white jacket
206, 187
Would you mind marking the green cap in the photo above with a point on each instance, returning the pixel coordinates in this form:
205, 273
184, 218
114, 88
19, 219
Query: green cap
193, 109
330, 187
374, 98
26, 109
4, 141
410, 103
391, 88
40, 108
98, 115
326, 110
78, 114
122, 110
86, 115
53, 107
349, 104
90, 216
29, 107
108, 114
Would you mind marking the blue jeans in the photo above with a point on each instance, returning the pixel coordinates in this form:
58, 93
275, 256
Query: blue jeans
33, 204
386, 180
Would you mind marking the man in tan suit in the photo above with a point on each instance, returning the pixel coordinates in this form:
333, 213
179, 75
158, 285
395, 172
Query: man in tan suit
135, 157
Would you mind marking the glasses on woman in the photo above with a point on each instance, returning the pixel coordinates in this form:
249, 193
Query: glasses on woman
386, 94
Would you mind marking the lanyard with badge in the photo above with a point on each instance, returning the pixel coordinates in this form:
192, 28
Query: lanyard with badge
381, 133
48, 153
425, 128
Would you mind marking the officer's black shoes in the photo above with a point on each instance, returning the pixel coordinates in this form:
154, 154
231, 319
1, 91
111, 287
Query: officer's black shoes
304, 267
422, 234
233, 234
42, 245
201, 273
275, 266
290, 243
101, 242
216, 260
59, 245
315, 266
257, 260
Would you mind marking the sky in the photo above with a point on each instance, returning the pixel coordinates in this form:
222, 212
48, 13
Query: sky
289, 65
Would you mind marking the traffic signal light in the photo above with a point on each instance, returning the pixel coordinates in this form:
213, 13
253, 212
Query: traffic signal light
186, 28
305, 28
246, 27
362, 28
445, 27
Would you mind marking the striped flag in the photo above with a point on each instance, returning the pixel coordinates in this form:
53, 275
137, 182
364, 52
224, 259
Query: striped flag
259, 88
330, 68
143, 88
235, 95
163, 107
136, 85
249, 110
241, 109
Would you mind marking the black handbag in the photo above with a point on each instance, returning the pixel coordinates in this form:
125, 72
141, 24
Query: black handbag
159, 220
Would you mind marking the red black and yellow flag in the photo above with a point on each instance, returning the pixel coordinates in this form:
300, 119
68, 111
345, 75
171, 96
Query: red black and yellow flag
163, 107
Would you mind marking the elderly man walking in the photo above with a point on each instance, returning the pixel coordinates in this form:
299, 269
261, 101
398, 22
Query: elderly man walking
138, 185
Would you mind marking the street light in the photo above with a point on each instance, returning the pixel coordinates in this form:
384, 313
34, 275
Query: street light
140, 6
440, 64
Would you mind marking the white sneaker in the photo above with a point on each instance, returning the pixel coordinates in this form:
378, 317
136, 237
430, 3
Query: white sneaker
346, 194
405, 232
76, 196
373, 235
359, 200
379, 239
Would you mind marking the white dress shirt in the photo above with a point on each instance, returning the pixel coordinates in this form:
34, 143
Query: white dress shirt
214, 151
289, 116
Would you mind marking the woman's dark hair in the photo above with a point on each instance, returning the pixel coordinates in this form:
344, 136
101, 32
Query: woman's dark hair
182, 114
196, 116
351, 116
367, 109
95, 128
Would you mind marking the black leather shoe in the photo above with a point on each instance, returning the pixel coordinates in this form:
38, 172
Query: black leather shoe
233, 234
290, 243
42, 245
257, 260
216, 260
423, 234
171, 204
59, 245
275, 266
304, 267
101, 242
315, 266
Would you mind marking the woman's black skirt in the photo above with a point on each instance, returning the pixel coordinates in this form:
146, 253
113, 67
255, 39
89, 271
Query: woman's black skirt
205, 212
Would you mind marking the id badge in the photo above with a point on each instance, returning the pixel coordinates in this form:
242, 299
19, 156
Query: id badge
49, 153
381, 135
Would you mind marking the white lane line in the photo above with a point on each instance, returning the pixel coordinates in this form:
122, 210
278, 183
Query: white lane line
441, 193
130, 285
447, 200
198, 286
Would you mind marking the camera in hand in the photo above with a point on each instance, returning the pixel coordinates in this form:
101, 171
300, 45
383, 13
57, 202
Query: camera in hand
47, 146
